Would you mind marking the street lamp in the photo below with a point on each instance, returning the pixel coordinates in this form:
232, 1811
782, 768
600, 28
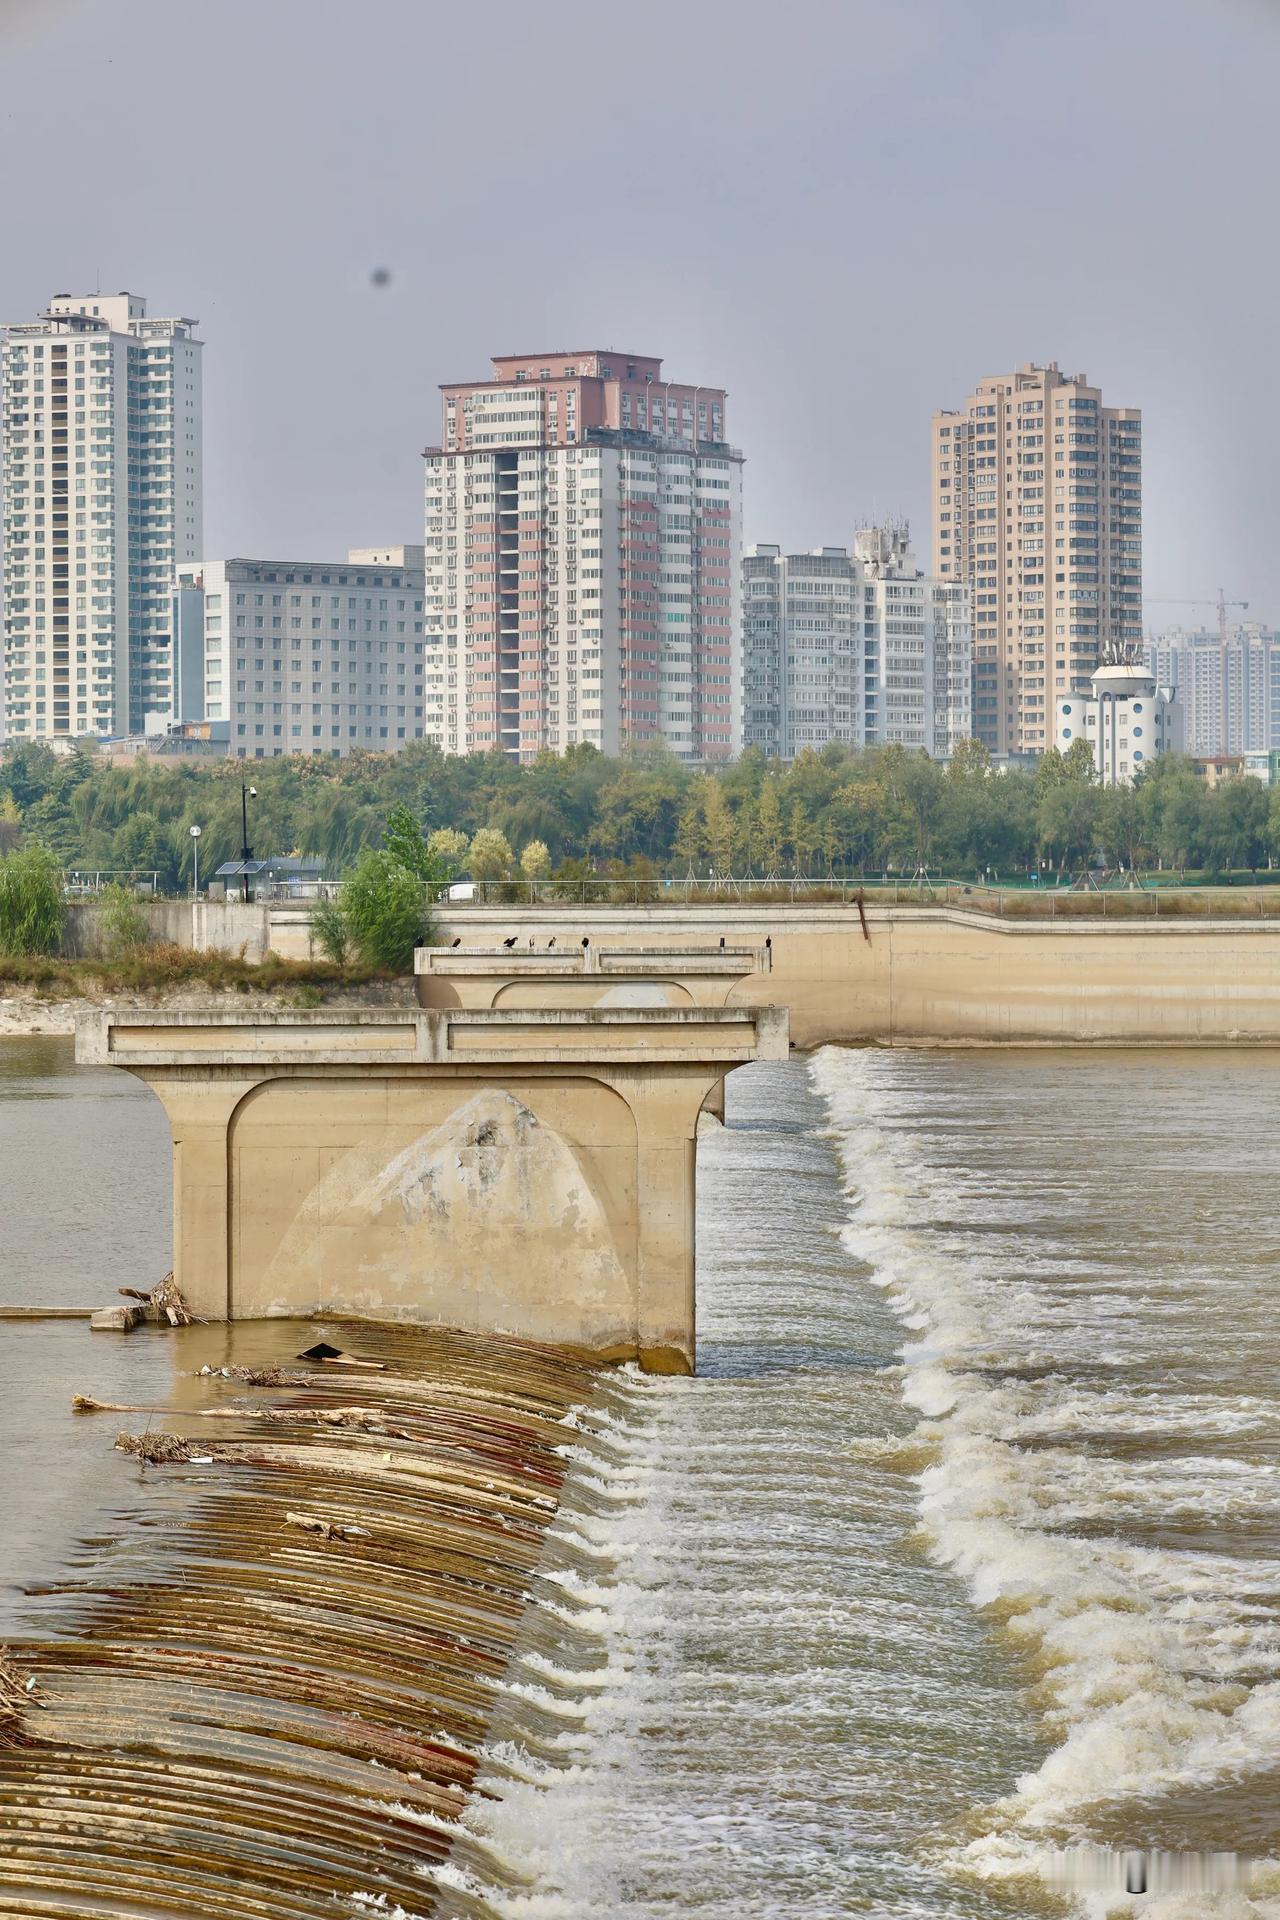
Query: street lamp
195, 854
246, 851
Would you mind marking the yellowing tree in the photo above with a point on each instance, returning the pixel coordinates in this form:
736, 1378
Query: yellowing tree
535, 861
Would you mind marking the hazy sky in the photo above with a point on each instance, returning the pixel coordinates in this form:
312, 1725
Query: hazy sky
843, 213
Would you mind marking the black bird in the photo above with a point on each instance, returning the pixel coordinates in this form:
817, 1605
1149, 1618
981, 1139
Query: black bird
586, 940
722, 943
511, 942
457, 942
419, 942
768, 941
551, 942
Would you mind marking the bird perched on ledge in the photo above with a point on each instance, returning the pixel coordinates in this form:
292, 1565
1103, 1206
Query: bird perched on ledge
511, 942
457, 942
586, 941
551, 942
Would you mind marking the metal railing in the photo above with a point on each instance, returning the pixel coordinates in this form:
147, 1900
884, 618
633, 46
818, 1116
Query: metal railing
1113, 901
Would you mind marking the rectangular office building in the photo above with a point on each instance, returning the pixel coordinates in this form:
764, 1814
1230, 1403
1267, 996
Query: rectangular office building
304, 656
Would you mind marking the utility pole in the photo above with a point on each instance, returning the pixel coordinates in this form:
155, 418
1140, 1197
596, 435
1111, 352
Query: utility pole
246, 851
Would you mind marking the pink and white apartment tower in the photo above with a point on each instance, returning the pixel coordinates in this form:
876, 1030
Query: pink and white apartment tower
583, 561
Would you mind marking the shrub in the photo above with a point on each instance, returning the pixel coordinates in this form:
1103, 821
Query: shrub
386, 908
123, 926
32, 911
331, 931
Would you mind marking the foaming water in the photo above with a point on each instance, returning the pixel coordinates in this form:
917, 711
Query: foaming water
788, 1699
1081, 1250
953, 1575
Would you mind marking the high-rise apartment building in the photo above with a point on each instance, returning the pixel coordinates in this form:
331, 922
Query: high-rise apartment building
802, 650
583, 547
918, 650
862, 648
1245, 675
1037, 510
102, 501
301, 656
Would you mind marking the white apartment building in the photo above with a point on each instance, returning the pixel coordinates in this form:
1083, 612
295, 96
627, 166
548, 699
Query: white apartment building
1243, 677
102, 501
303, 656
860, 648
583, 547
1127, 719
917, 647
802, 650
1037, 495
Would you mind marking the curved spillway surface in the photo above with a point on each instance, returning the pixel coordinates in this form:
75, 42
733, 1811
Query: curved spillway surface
266, 1692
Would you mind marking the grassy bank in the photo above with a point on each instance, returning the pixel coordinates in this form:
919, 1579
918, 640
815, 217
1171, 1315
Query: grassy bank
170, 969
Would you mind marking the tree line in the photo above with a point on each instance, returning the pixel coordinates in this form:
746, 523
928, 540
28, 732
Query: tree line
839, 811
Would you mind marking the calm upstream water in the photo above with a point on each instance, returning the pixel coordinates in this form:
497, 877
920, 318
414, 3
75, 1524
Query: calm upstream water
952, 1579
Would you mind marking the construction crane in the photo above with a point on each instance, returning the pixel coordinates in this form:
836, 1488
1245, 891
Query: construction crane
1221, 603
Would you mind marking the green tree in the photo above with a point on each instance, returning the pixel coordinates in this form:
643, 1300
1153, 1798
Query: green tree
916, 796
32, 909
123, 925
385, 906
970, 760
1078, 764
718, 828
769, 825
330, 930
448, 848
10, 823
1234, 825
1067, 819
404, 841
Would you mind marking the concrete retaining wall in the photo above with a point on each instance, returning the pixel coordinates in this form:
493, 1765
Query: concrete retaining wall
926, 975
227, 925
939, 976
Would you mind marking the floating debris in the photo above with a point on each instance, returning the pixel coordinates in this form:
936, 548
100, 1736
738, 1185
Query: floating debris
163, 1302
18, 1694
335, 1357
271, 1694
327, 1529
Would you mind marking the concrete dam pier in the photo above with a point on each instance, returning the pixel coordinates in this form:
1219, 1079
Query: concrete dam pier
528, 1171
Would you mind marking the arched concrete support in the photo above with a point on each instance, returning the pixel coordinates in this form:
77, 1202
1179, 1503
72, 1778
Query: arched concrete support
530, 1172
590, 976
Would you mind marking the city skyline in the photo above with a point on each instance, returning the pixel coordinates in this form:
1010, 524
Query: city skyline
705, 191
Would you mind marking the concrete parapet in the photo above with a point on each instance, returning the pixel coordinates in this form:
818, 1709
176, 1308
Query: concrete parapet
617, 974
521, 1171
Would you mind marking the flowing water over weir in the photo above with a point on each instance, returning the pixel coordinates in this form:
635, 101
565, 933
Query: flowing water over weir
265, 1692
949, 1590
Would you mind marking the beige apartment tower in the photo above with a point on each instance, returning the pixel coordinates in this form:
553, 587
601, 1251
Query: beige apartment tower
1037, 510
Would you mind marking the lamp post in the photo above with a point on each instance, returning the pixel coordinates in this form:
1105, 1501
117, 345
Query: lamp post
195, 855
246, 851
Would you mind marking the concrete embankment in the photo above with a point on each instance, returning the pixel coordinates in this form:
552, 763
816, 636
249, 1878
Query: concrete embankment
28, 1012
914, 976
921, 976
269, 1689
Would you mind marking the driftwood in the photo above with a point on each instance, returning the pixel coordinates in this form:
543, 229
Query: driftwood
162, 1449
17, 1696
256, 1376
327, 1529
164, 1302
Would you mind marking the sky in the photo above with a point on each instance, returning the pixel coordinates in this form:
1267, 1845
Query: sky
844, 213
